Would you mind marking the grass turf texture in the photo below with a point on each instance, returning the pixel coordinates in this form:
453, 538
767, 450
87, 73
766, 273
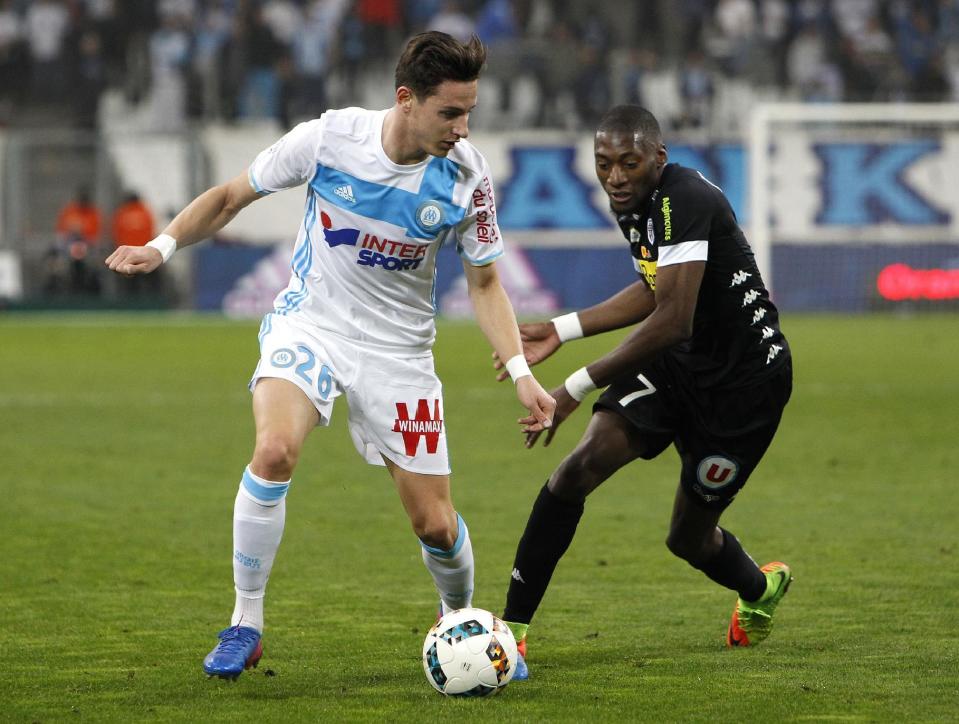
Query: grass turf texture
123, 440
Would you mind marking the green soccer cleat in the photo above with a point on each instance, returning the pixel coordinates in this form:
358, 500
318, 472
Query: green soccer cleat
753, 621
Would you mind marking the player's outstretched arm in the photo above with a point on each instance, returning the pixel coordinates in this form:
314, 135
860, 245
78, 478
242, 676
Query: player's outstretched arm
203, 217
498, 322
670, 321
541, 339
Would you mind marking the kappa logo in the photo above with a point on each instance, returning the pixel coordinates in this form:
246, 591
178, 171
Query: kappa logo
749, 297
717, 471
345, 192
517, 576
759, 314
739, 277
774, 350
337, 237
422, 425
768, 332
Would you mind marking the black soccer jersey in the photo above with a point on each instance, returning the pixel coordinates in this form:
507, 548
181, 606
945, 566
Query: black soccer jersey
736, 339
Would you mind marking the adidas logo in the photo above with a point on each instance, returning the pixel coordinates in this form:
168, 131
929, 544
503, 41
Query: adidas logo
515, 575
345, 192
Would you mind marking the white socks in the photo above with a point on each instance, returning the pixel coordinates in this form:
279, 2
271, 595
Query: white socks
258, 517
452, 570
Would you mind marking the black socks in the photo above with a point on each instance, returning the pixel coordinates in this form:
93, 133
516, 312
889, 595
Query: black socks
733, 568
549, 531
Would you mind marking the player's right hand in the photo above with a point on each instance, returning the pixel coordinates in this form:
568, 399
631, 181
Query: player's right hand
537, 401
133, 260
565, 406
539, 342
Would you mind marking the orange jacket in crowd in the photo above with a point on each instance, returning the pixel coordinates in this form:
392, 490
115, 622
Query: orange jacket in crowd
132, 224
80, 220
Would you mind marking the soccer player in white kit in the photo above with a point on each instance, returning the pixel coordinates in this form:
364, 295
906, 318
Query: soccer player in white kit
384, 190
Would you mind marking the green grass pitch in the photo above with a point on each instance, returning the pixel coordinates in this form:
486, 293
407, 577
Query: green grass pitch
122, 443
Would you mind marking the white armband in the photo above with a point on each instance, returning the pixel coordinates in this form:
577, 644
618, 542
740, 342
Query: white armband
517, 367
568, 326
165, 244
579, 384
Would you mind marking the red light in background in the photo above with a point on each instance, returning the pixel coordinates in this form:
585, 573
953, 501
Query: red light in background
898, 282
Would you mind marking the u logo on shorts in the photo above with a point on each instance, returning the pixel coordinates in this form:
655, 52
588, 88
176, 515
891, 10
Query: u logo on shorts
716, 471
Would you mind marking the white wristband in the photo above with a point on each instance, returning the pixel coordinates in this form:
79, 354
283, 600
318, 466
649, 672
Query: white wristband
517, 367
579, 384
165, 244
568, 326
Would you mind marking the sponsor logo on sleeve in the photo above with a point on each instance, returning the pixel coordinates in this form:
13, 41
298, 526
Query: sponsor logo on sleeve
485, 209
667, 219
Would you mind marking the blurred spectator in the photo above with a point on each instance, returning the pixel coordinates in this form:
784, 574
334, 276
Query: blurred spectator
283, 18
809, 70
696, 90
72, 265
79, 219
453, 21
735, 32
259, 52
591, 90
132, 225
497, 24
212, 31
313, 48
639, 63
169, 60
132, 222
915, 42
12, 61
91, 78
291, 59
47, 25
382, 22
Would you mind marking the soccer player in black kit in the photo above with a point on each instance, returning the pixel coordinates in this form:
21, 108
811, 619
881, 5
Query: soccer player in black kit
706, 368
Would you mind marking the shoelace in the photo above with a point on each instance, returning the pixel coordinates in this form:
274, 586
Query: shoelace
233, 641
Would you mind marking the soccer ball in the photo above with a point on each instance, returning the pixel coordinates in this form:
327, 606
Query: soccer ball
469, 652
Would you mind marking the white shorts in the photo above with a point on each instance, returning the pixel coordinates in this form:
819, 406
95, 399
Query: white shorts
395, 401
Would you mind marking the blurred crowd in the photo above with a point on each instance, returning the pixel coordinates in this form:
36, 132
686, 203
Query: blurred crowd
192, 60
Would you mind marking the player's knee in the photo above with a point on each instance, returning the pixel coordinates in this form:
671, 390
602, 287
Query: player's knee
436, 531
274, 457
579, 474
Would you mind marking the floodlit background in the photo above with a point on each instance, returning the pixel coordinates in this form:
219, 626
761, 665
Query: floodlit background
115, 114
125, 421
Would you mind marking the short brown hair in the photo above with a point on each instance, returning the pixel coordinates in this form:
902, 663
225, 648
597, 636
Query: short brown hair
433, 57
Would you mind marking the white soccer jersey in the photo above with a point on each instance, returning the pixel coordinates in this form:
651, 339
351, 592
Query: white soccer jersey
364, 261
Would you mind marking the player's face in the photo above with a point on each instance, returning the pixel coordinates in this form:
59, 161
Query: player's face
440, 120
627, 168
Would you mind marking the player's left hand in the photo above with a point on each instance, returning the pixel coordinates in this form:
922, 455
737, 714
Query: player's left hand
565, 406
539, 403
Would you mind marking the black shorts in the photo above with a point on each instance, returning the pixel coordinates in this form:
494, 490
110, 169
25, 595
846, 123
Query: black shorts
721, 435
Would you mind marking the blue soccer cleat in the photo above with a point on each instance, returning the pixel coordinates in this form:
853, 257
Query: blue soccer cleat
522, 671
240, 648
